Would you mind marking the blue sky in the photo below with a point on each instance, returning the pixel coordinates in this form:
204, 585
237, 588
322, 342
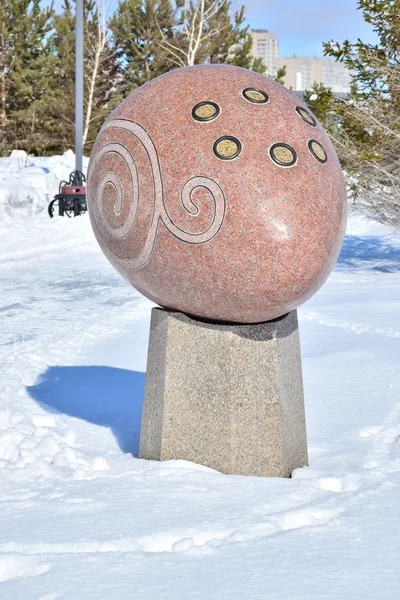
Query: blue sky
302, 25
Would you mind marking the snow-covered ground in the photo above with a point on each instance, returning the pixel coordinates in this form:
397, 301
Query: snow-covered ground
27, 184
83, 519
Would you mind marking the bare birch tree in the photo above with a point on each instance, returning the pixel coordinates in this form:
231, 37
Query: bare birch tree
94, 48
97, 53
100, 66
196, 27
368, 145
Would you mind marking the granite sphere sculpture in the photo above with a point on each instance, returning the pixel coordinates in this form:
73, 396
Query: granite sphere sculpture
215, 192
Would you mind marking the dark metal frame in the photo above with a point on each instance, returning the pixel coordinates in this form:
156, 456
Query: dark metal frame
70, 204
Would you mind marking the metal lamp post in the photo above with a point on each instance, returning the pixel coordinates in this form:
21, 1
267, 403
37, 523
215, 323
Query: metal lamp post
79, 85
71, 197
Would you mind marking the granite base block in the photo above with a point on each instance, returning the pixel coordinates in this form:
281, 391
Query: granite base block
226, 396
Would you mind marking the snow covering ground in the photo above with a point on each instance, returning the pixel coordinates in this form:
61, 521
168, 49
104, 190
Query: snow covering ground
82, 518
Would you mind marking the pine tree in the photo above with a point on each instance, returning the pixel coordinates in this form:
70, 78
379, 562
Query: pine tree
242, 56
226, 35
100, 69
321, 100
232, 42
61, 103
207, 31
280, 75
368, 138
137, 29
24, 72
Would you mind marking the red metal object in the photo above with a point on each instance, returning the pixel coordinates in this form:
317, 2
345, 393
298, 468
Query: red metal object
71, 197
72, 189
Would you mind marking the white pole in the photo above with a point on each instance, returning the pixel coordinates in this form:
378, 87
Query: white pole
78, 85
298, 83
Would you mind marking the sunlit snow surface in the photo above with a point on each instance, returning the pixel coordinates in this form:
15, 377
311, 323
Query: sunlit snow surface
83, 518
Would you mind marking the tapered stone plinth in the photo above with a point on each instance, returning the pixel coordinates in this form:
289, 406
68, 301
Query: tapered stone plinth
226, 396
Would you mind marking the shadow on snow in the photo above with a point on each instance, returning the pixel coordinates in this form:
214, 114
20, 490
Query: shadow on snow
371, 253
113, 397
101, 395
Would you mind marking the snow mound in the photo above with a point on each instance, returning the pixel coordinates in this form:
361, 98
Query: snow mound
83, 518
41, 445
28, 183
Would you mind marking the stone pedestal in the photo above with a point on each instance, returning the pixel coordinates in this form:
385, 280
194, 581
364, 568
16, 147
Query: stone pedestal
226, 396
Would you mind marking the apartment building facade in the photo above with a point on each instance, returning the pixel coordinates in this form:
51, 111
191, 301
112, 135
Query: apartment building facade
266, 46
303, 71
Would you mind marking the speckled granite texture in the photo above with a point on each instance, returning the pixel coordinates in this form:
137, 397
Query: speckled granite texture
216, 193
226, 396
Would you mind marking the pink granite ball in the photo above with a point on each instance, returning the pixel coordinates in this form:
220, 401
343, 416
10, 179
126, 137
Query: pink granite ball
215, 192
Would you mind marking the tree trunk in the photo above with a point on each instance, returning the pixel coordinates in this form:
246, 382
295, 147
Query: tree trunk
100, 43
3, 91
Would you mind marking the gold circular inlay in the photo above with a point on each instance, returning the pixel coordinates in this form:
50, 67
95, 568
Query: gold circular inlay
256, 96
318, 150
305, 115
205, 111
227, 147
283, 154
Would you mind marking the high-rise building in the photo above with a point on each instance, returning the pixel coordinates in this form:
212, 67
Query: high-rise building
266, 46
303, 71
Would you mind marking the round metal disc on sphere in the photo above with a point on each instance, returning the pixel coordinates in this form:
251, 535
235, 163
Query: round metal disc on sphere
215, 192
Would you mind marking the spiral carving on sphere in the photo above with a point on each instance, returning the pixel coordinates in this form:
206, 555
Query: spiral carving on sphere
97, 182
